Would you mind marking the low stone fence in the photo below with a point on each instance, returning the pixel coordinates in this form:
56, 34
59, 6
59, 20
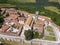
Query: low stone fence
41, 42
36, 41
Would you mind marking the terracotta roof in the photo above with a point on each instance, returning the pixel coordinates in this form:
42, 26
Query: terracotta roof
31, 25
23, 12
19, 11
40, 29
40, 22
2, 8
12, 9
14, 16
19, 25
59, 28
11, 17
21, 18
5, 27
20, 28
15, 21
39, 25
0, 30
32, 14
46, 18
29, 20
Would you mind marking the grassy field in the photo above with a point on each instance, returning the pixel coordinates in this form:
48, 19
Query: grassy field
53, 0
53, 9
51, 38
49, 28
51, 35
7, 5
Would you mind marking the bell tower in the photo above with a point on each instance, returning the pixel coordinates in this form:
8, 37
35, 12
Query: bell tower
36, 15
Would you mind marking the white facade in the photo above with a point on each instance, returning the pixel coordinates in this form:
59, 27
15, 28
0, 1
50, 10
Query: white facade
15, 30
26, 27
21, 21
35, 18
12, 23
59, 35
9, 29
7, 23
41, 19
35, 27
46, 23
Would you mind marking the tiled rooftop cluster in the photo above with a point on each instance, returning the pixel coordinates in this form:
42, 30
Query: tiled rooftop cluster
18, 20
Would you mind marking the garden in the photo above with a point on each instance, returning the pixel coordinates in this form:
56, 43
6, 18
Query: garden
51, 35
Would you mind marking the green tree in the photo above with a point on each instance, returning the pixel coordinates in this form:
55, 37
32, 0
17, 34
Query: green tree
42, 34
36, 34
1, 19
3, 1
28, 34
54, 19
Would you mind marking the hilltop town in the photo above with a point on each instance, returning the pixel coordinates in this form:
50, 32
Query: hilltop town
16, 22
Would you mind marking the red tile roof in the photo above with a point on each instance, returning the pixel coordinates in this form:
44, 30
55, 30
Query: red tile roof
5, 27
23, 12
12, 17
39, 25
59, 28
40, 22
20, 28
21, 18
29, 20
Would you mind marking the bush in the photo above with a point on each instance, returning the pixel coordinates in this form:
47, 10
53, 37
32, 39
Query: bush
1, 20
36, 35
3, 1
51, 38
28, 34
41, 35
49, 28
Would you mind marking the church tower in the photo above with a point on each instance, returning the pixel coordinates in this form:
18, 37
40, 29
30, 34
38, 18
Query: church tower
36, 15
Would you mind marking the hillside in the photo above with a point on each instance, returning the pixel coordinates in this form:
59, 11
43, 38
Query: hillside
27, 1
31, 0
50, 8
22, 1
